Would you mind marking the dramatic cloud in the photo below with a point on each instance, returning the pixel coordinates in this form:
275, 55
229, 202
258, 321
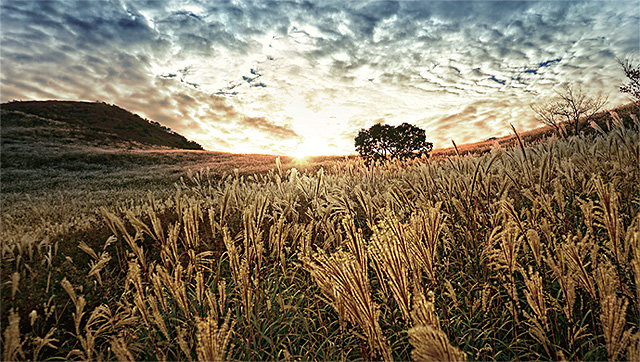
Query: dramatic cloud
304, 77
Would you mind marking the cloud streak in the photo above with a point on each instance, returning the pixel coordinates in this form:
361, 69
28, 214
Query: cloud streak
287, 77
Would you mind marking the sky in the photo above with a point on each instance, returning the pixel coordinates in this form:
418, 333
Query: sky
303, 77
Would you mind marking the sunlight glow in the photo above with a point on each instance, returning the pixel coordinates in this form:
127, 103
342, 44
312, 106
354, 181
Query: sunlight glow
308, 148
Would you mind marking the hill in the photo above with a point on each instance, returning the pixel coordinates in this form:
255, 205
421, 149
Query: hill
85, 122
602, 119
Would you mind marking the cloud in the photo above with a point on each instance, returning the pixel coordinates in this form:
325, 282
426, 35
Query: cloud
275, 74
262, 124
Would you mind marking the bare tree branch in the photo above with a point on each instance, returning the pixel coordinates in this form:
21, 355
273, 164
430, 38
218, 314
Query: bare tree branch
570, 111
631, 70
548, 114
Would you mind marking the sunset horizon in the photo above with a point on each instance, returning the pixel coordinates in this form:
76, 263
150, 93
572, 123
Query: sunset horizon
302, 79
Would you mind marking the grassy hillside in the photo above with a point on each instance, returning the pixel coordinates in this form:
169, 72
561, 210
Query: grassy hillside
602, 119
521, 253
93, 121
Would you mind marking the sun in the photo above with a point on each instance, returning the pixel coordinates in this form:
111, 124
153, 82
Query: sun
306, 149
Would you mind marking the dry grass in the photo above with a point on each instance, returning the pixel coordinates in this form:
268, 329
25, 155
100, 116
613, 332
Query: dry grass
524, 253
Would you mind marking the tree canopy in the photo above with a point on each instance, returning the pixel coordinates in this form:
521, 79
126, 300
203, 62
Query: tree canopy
381, 142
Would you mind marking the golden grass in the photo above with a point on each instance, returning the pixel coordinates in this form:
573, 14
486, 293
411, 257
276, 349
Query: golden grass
524, 253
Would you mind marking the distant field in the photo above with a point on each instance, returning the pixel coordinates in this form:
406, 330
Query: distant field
94, 168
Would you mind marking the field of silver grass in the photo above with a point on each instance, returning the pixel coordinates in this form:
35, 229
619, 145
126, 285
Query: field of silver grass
525, 253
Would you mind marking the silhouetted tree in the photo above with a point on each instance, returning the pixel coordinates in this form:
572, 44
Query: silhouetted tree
381, 142
632, 71
570, 111
549, 114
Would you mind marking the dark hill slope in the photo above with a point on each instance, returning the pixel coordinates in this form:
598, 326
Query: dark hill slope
101, 118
